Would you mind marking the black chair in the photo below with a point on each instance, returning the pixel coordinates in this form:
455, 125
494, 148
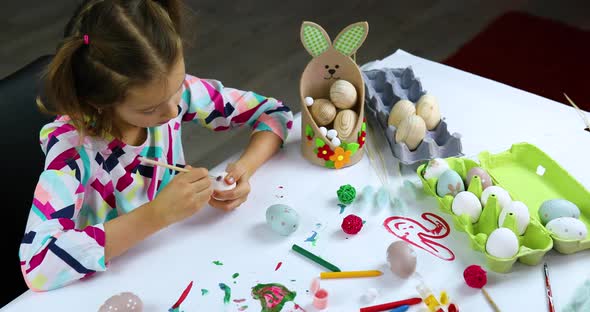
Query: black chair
22, 163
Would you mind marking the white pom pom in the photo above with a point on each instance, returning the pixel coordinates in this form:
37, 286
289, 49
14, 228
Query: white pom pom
336, 141
309, 100
331, 134
323, 131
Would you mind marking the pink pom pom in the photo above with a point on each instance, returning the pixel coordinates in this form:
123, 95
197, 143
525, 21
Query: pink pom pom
352, 224
475, 276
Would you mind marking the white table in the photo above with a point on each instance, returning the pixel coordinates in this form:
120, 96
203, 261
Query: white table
490, 116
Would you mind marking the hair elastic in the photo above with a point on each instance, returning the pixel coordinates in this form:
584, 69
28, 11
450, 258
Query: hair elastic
86, 40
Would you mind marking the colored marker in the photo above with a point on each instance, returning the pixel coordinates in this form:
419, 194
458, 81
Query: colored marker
315, 258
403, 308
349, 274
391, 305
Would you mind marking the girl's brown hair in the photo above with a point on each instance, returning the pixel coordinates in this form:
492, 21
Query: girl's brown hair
130, 43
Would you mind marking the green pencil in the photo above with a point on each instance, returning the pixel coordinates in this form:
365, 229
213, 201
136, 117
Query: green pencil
315, 258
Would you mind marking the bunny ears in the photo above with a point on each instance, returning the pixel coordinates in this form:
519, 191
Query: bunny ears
316, 41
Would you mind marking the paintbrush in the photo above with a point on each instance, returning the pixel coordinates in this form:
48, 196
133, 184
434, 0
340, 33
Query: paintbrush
582, 115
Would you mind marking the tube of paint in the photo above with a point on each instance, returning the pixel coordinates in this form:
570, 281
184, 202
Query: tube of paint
428, 297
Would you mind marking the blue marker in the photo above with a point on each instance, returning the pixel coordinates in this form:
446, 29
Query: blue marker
403, 308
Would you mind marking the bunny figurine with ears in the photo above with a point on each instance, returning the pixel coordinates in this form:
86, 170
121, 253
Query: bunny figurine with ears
330, 63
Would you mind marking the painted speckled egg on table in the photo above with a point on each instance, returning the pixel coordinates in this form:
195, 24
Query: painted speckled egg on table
567, 228
282, 219
557, 208
449, 183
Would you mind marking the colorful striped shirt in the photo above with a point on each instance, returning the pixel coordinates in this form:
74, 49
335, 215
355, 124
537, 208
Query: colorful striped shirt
86, 183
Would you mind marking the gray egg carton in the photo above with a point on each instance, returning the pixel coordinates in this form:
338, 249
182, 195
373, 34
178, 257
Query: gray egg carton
385, 87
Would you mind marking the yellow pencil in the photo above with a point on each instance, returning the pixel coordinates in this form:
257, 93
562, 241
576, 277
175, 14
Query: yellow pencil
349, 274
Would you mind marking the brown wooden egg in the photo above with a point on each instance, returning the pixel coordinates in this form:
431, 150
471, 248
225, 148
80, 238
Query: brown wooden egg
323, 112
400, 111
343, 94
411, 131
345, 122
427, 108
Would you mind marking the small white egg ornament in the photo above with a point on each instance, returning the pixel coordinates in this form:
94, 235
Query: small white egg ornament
502, 243
502, 195
567, 228
282, 219
435, 168
467, 203
521, 211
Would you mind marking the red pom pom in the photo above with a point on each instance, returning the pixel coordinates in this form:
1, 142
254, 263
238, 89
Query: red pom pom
352, 224
475, 276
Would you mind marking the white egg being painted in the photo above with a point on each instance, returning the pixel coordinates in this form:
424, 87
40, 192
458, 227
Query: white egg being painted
282, 219
521, 211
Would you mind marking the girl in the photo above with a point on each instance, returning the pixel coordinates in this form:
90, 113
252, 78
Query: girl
119, 87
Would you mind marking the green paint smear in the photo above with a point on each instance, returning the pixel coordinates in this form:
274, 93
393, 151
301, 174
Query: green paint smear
272, 296
217, 262
204, 292
235, 275
227, 291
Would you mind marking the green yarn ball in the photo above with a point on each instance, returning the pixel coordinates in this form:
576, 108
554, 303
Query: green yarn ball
346, 194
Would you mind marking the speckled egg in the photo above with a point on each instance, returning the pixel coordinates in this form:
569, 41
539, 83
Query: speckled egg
467, 203
282, 219
401, 258
502, 195
486, 180
502, 243
123, 302
449, 183
557, 208
521, 211
567, 228
435, 168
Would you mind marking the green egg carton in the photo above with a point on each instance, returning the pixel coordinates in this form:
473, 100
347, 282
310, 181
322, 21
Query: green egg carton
529, 176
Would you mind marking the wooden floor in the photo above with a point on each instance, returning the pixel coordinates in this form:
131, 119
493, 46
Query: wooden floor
254, 45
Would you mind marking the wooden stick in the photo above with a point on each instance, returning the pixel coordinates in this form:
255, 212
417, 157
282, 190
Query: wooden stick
490, 300
582, 115
161, 164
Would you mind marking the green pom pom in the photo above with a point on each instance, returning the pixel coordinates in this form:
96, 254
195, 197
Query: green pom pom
346, 194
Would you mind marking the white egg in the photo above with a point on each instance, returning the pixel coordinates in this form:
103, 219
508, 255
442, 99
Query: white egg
331, 134
567, 228
218, 182
502, 243
323, 131
521, 211
467, 203
501, 194
435, 168
308, 101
